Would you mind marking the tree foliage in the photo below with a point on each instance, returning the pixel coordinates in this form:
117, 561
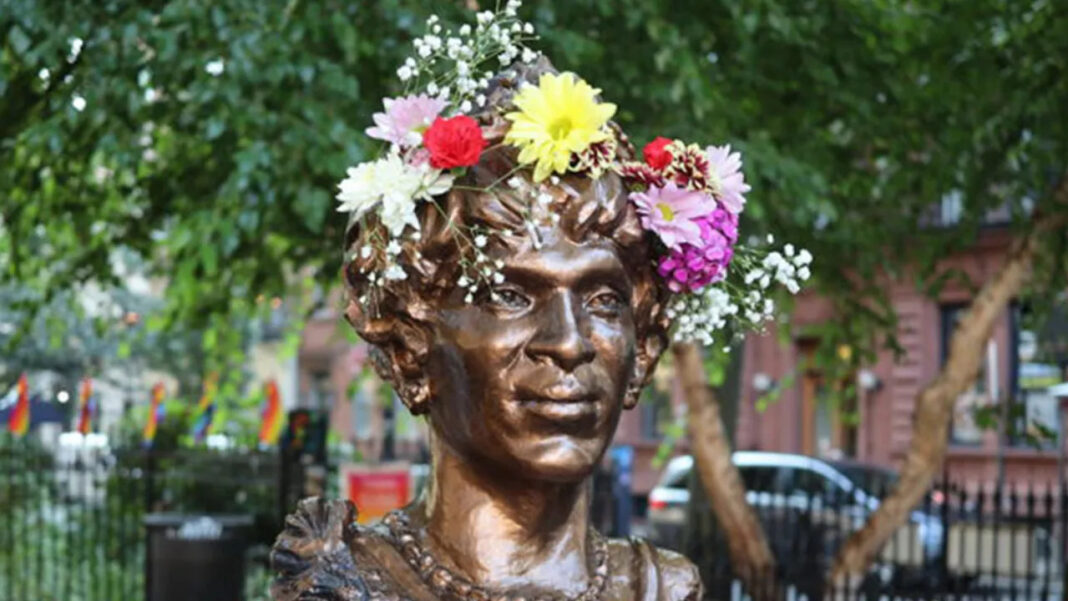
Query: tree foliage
856, 118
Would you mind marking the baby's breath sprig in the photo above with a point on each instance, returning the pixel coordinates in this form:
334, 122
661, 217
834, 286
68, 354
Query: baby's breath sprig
456, 66
744, 297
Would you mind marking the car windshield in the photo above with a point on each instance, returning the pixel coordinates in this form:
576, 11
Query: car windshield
873, 480
676, 475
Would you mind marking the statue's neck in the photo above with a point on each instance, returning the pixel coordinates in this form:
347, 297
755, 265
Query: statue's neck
502, 532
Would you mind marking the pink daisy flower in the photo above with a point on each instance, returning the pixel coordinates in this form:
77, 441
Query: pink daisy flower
405, 119
727, 182
672, 212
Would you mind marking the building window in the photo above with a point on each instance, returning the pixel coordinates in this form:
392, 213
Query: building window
970, 406
1029, 414
1038, 363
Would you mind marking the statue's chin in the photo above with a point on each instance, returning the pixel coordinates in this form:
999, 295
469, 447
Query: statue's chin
559, 458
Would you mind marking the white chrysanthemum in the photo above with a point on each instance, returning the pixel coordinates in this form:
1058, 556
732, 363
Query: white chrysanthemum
360, 190
399, 184
398, 212
396, 184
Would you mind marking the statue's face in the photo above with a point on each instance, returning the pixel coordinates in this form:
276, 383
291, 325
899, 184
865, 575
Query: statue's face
532, 383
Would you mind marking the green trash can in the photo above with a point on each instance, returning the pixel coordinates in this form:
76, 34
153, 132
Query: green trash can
195, 557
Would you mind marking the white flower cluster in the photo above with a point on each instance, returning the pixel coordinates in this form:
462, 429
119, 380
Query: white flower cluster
397, 184
700, 316
788, 268
457, 66
697, 317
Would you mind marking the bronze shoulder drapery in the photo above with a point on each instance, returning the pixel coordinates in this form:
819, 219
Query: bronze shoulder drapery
323, 555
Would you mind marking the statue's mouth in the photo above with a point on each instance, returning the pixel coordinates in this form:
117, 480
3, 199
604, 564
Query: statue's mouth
569, 409
563, 400
559, 389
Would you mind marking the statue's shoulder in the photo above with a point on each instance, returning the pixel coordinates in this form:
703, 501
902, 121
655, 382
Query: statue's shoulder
681, 578
317, 555
656, 574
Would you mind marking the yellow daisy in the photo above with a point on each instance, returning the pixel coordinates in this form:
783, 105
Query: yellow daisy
558, 117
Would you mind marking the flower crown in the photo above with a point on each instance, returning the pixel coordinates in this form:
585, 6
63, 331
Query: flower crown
689, 199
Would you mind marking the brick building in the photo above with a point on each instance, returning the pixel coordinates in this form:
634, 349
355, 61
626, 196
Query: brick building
1020, 363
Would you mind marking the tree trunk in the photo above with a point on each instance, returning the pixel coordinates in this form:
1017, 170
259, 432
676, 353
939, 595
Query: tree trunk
747, 545
703, 538
934, 404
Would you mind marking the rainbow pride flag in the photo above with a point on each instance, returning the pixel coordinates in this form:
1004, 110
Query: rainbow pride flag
19, 420
156, 412
85, 407
272, 415
205, 409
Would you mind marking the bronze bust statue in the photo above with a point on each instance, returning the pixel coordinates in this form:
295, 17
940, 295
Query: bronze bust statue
523, 386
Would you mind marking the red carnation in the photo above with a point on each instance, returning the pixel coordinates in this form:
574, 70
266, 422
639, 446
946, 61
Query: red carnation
656, 153
455, 142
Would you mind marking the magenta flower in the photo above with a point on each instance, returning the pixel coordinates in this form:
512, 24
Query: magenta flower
728, 183
694, 266
672, 213
405, 119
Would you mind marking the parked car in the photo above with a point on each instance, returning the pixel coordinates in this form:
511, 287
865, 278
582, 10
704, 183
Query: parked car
808, 507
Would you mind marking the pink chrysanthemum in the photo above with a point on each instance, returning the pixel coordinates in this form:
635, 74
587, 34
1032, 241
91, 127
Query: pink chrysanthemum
727, 181
405, 119
694, 266
672, 213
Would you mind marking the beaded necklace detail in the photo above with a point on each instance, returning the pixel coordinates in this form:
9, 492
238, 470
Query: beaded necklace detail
444, 582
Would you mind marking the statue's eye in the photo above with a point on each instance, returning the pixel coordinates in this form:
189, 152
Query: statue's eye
607, 301
509, 299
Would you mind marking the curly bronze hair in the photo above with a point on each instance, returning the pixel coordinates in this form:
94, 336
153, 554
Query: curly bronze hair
398, 322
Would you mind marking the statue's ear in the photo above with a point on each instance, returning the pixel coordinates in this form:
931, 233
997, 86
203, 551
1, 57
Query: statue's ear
400, 340
647, 354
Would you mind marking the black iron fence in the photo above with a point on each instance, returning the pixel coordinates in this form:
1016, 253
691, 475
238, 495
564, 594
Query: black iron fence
72, 529
961, 542
72, 518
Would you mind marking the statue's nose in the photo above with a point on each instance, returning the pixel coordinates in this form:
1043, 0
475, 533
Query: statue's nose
560, 337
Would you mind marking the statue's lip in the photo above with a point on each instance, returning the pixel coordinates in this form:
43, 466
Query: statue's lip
561, 393
561, 409
568, 399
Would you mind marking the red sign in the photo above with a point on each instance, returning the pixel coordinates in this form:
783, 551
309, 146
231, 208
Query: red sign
376, 489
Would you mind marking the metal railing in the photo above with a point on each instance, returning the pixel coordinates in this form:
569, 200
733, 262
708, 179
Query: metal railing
72, 529
962, 542
71, 522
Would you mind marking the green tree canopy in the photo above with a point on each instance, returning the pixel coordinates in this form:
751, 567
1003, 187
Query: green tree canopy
207, 138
